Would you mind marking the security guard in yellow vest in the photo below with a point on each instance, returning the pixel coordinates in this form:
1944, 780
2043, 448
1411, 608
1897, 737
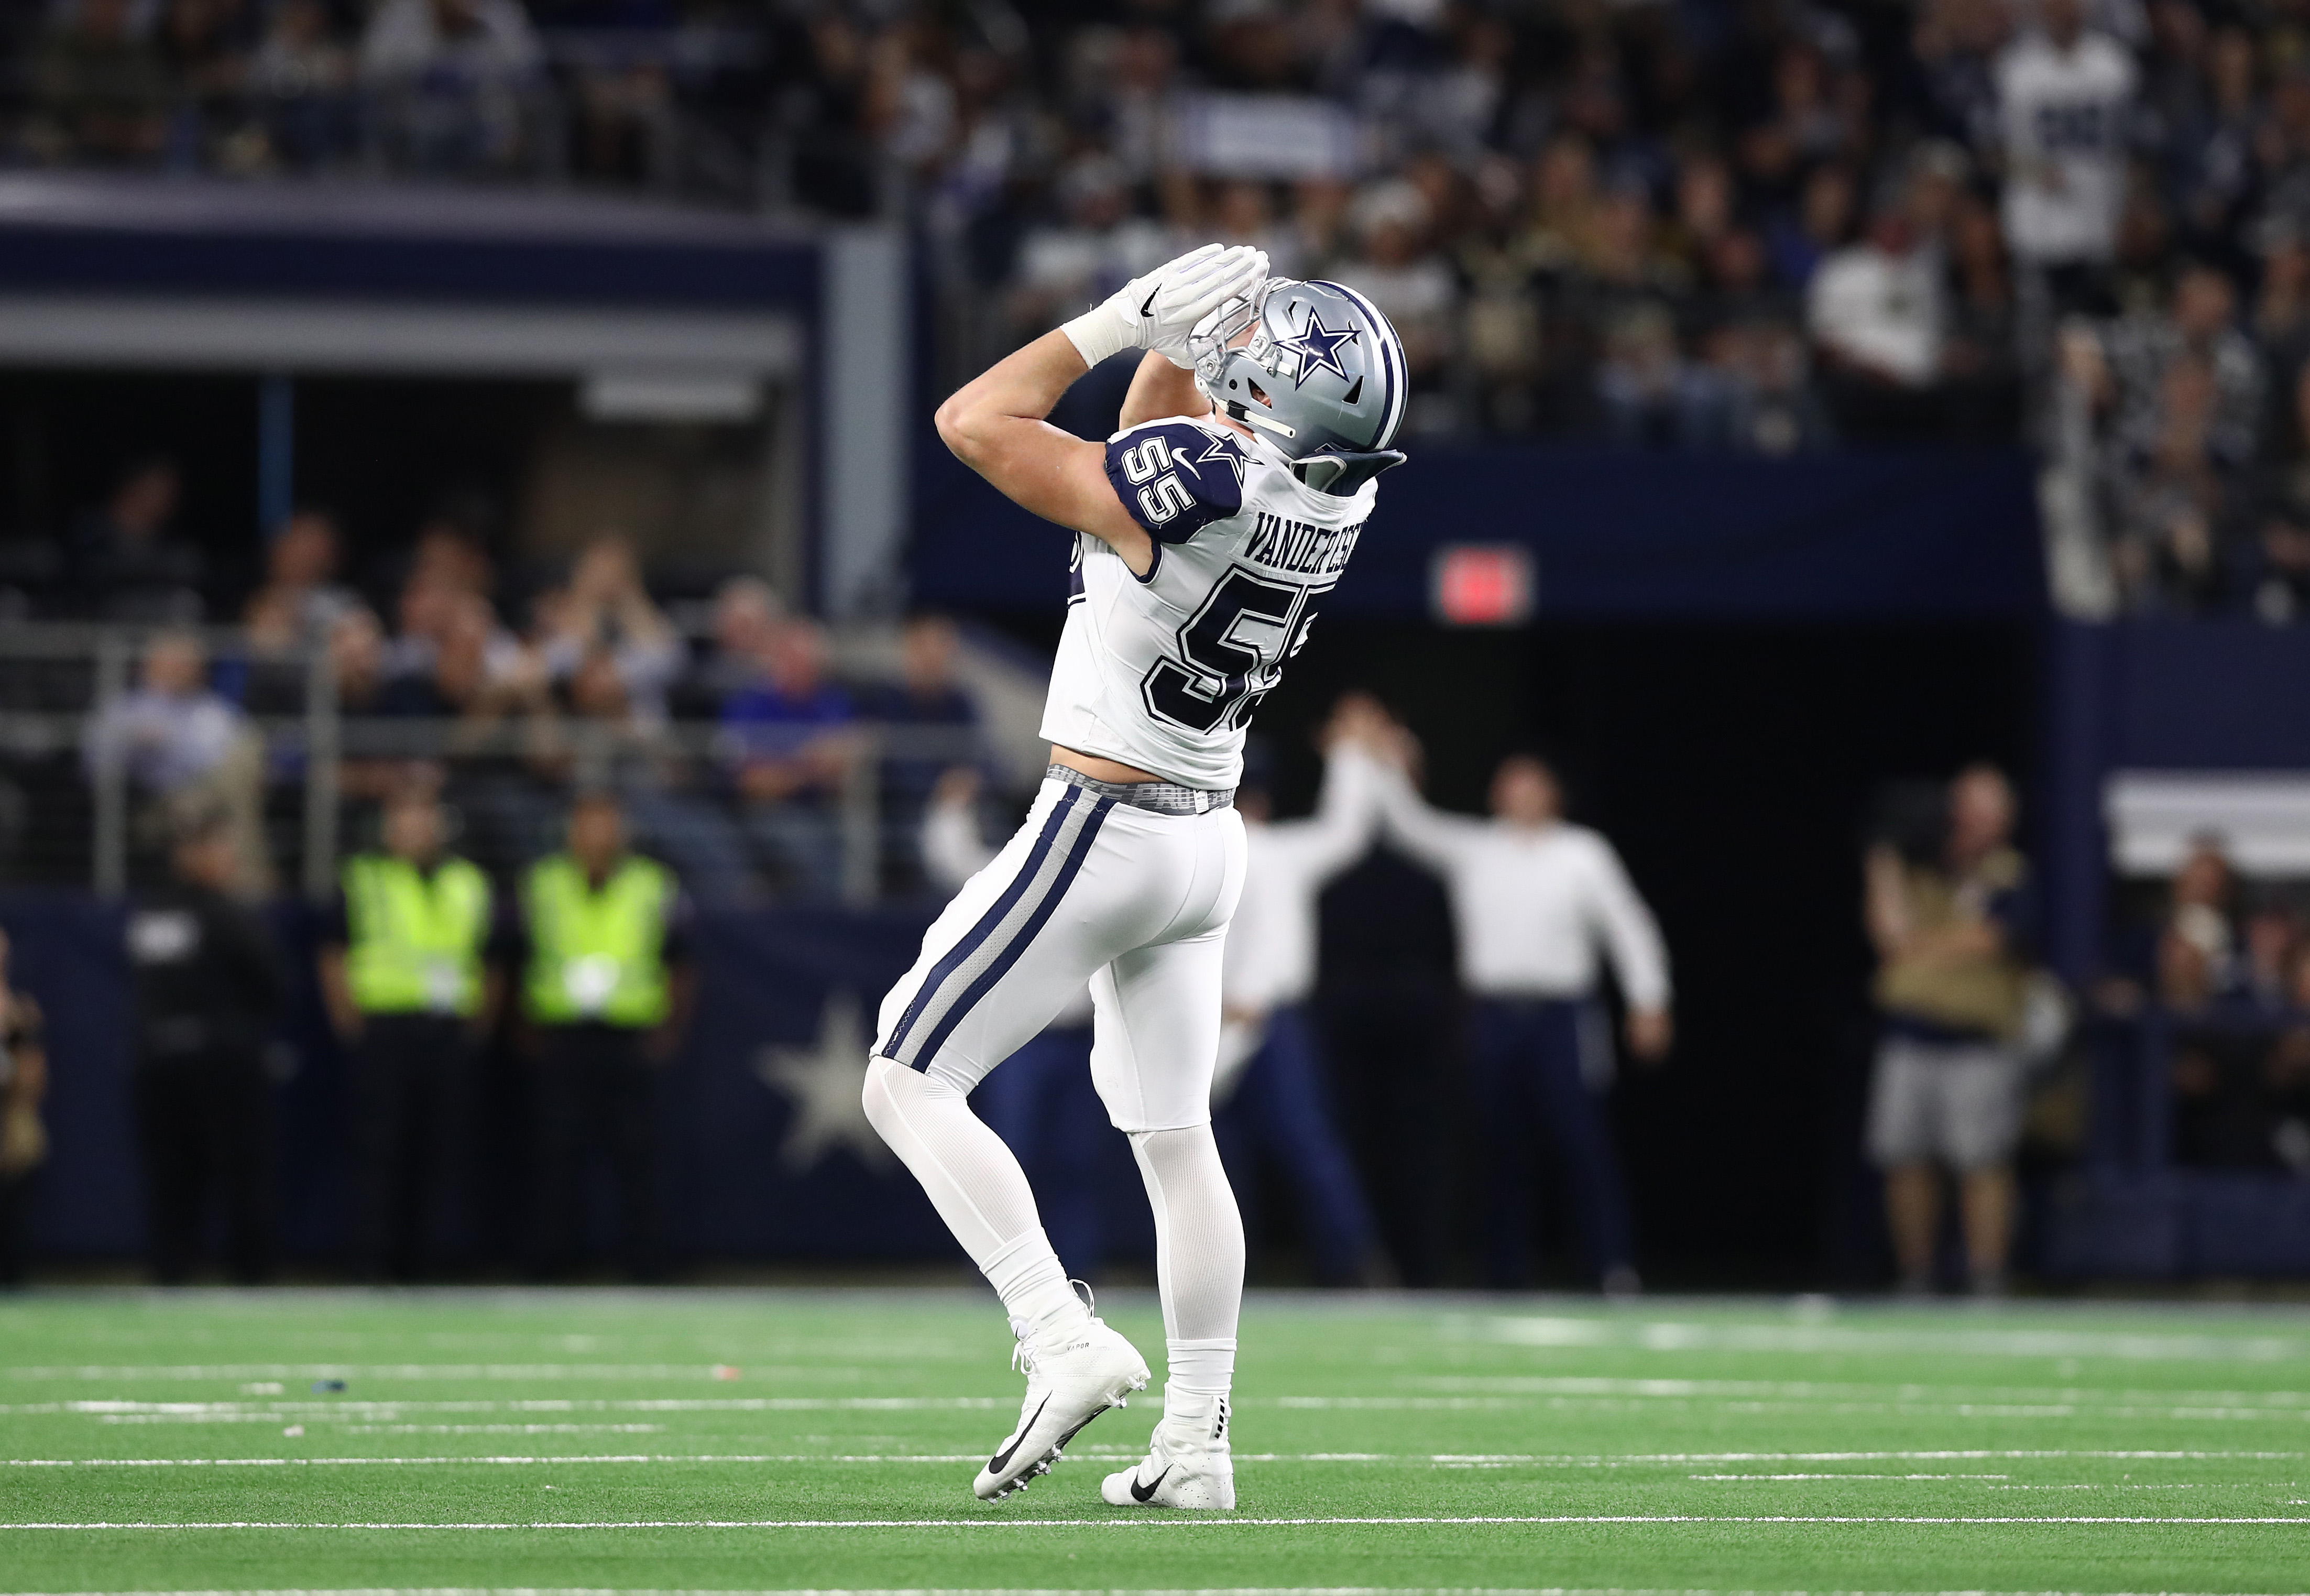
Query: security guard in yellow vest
606, 987
406, 972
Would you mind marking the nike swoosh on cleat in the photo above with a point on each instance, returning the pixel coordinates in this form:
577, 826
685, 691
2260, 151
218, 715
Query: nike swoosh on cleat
1146, 1493
1001, 1460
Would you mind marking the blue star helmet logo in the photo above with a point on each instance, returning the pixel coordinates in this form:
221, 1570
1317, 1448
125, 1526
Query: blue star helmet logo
1319, 349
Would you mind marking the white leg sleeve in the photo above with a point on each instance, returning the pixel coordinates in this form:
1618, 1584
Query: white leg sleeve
975, 1183
1198, 1253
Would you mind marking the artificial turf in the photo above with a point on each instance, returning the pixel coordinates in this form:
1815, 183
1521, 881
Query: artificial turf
548, 1441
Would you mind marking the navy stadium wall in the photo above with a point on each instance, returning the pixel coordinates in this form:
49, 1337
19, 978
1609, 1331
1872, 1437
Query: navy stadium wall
1615, 534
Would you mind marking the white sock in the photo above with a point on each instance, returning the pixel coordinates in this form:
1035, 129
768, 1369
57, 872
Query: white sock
1032, 1283
1204, 1369
978, 1189
1198, 1257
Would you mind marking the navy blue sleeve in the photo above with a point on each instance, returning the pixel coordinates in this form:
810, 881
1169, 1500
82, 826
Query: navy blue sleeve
1174, 479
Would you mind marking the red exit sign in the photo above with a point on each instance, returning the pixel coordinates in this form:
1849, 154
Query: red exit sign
1483, 584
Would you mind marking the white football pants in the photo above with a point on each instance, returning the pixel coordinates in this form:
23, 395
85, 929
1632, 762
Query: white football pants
1138, 905
1134, 902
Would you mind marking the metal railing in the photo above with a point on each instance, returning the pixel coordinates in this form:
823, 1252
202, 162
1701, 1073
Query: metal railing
71, 813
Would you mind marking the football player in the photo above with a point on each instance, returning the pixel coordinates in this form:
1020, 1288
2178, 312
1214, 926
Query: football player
1208, 532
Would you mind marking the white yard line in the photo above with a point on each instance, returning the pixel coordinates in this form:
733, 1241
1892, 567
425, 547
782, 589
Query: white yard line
2293, 1406
1188, 1521
133, 1409
2015, 1341
1449, 1459
1041, 1591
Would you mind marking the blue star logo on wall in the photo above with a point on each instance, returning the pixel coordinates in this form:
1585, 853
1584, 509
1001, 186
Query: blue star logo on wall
1319, 349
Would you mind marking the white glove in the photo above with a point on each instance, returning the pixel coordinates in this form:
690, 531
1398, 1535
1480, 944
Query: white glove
1159, 311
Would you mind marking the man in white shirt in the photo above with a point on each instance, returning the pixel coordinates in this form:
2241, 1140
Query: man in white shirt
1536, 898
1272, 1074
1877, 307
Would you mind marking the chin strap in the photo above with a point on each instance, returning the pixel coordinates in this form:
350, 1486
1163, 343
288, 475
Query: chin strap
1343, 471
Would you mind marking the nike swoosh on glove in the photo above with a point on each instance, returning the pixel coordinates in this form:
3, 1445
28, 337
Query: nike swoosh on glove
1160, 309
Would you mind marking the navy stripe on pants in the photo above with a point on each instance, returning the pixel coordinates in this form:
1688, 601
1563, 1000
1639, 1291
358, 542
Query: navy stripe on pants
1525, 1057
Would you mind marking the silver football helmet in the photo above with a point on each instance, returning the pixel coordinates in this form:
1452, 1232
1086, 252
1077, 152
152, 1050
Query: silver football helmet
1322, 376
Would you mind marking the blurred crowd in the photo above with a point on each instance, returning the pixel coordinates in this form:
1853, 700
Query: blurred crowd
2225, 962
1763, 226
730, 732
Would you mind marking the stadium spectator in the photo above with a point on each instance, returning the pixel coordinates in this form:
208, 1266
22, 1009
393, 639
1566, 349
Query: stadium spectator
2281, 590
124, 563
204, 53
1956, 44
2065, 103
1821, 225
1879, 313
1533, 897
1096, 248
447, 552
1619, 306
604, 742
177, 739
299, 83
927, 698
2266, 968
605, 613
1953, 925
790, 745
608, 989
453, 660
299, 603
2198, 327
1399, 271
2197, 953
746, 611
1981, 307
99, 92
450, 82
208, 989
406, 978
2169, 408
23, 1138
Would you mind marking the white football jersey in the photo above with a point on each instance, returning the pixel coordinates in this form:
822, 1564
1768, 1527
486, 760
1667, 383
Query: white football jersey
2065, 115
1164, 672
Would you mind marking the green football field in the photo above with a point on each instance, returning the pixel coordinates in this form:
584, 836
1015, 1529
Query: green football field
783, 1441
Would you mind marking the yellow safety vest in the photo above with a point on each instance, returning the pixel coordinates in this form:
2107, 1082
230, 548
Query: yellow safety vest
414, 941
597, 956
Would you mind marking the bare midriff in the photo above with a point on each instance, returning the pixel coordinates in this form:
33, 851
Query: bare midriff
1097, 769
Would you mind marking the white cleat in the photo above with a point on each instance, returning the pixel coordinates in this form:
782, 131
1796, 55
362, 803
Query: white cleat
1184, 1467
1071, 1380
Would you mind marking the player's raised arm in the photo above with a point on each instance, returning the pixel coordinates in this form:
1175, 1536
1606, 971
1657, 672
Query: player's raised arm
994, 423
1159, 390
